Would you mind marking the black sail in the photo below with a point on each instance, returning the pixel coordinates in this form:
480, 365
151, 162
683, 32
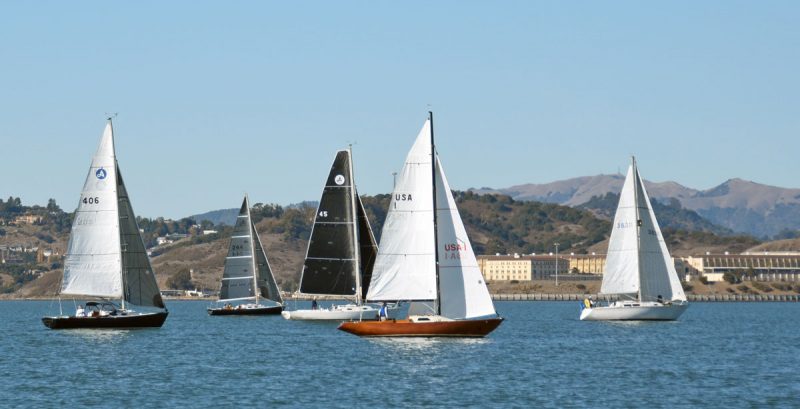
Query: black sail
267, 287
139, 281
330, 265
237, 277
368, 248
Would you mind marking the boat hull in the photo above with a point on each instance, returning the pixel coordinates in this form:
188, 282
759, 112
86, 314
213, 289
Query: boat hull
406, 328
263, 310
144, 320
336, 313
664, 312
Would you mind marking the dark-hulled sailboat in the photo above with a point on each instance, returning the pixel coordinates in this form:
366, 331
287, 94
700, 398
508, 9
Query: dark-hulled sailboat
247, 275
425, 257
341, 250
106, 257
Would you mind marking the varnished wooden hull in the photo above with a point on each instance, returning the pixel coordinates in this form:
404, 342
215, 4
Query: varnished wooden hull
146, 320
275, 310
405, 328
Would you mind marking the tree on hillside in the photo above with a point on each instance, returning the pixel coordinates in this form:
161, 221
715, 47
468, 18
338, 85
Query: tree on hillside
181, 280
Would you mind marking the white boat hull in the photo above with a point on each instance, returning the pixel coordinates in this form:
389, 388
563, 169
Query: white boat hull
335, 313
635, 312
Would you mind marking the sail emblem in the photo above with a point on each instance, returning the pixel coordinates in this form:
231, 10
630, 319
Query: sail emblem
339, 179
101, 173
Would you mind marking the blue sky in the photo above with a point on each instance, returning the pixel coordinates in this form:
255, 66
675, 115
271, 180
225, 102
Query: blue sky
219, 98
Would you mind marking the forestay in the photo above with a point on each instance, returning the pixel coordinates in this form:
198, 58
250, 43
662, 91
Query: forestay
405, 268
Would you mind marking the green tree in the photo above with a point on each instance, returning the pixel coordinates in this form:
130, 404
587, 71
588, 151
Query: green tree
181, 280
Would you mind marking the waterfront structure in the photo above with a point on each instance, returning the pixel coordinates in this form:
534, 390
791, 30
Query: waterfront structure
765, 266
521, 267
587, 263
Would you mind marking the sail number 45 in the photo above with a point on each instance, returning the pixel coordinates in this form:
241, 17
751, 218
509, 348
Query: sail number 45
91, 200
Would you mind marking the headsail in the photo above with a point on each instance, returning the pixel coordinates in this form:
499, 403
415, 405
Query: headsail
368, 249
462, 288
139, 280
92, 265
267, 287
330, 265
237, 276
405, 268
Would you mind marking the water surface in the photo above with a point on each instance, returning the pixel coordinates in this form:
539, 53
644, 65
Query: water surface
716, 355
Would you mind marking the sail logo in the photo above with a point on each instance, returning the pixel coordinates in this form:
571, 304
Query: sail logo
402, 197
101, 174
455, 250
339, 180
625, 225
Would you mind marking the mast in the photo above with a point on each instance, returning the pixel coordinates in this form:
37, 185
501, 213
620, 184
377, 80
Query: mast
438, 302
636, 182
252, 228
356, 242
116, 202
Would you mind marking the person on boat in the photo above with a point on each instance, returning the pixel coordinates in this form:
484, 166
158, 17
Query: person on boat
79, 312
660, 299
383, 313
228, 306
587, 303
314, 305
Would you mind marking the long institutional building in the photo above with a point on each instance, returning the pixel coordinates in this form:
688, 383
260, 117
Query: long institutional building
762, 266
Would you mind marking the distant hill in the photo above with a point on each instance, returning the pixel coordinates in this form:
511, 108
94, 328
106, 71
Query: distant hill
218, 217
495, 224
739, 205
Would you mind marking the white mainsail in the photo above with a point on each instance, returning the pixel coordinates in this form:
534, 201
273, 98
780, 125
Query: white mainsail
405, 268
638, 262
93, 264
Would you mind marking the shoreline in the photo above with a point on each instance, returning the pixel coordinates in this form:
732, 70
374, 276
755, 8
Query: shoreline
518, 297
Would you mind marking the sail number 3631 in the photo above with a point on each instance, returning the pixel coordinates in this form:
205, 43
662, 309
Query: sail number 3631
91, 200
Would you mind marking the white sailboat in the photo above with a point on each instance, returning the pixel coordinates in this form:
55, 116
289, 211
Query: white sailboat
639, 268
341, 250
426, 258
247, 277
106, 257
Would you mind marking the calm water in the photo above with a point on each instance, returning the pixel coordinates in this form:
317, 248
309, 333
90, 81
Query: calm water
717, 355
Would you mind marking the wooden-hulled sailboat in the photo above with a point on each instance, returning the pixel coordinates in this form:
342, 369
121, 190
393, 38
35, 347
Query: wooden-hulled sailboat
341, 250
247, 277
425, 257
106, 257
639, 268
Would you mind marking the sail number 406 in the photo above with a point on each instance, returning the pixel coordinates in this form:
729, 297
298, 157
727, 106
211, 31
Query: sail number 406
91, 200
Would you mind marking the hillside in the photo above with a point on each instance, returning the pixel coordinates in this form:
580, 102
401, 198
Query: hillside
495, 224
736, 204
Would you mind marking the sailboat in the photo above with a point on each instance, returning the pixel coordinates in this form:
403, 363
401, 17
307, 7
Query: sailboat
341, 250
639, 269
247, 275
426, 258
106, 257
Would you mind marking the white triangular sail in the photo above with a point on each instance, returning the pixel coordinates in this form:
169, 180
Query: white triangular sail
405, 268
462, 289
93, 264
638, 262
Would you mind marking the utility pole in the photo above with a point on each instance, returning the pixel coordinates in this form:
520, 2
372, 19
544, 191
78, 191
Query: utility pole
556, 244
